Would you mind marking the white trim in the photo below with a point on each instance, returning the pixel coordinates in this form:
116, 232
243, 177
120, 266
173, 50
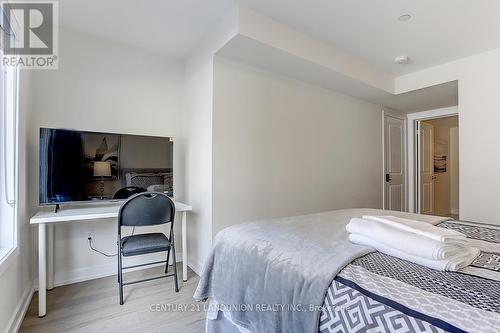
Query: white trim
10, 253
394, 114
110, 269
384, 113
433, 114
18, 315
412, 118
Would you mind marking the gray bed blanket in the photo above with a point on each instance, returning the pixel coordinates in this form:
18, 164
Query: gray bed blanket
278, 271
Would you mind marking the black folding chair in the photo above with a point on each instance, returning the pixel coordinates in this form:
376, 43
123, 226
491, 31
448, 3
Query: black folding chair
146, 209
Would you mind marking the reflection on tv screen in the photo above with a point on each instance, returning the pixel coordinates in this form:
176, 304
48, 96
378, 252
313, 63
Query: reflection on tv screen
85, 166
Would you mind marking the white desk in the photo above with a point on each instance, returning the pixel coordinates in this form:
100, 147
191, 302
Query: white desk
46, 219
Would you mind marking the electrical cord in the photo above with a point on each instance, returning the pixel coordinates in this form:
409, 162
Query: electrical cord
98, 251
101, 252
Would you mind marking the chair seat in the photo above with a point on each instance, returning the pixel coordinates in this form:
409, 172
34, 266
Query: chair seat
144, 243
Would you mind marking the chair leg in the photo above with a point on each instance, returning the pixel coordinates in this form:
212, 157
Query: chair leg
168, 257
118, 270
175, 269
120, 276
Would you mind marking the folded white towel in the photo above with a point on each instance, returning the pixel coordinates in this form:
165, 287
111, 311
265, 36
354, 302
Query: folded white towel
431, 219
402, 240
454, 263
420, 228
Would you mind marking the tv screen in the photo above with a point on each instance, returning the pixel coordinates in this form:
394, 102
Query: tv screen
81, 166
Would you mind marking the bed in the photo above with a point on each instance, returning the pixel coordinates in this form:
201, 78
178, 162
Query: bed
301, 274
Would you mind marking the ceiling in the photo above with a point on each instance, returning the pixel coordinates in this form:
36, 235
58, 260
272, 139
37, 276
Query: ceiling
439, 31
170, 27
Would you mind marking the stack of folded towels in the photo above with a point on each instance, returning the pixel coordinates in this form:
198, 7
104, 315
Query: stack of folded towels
416, 241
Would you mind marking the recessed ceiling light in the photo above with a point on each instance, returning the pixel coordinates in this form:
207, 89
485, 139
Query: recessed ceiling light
405, 17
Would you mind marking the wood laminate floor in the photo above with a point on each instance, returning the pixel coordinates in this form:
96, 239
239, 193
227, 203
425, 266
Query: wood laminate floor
92, 306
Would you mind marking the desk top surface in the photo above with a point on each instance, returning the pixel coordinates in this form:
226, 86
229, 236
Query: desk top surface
83, 213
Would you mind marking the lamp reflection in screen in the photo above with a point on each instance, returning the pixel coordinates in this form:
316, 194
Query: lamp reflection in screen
102, 169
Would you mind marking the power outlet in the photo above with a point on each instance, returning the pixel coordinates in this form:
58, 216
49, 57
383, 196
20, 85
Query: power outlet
90, 234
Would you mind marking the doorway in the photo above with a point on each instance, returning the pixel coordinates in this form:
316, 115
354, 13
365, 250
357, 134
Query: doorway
437, 168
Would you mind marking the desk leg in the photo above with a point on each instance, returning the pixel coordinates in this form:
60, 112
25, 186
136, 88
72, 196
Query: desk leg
50, 256
184, 248
42, 271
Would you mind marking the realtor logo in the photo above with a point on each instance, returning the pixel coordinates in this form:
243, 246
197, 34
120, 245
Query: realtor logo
30, 38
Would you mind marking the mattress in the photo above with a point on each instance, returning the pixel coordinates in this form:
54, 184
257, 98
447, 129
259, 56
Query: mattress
380, 293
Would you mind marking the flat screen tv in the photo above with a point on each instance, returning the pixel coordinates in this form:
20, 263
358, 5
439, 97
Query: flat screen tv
82, 166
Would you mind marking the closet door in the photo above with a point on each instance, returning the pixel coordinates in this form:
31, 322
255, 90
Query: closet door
394, 142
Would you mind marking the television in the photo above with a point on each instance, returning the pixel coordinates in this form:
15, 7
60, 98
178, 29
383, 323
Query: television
92, 167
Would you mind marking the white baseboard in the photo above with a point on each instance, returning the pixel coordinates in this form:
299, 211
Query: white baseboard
18, 316
99, 271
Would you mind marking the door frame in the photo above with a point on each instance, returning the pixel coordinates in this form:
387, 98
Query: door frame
412, 176
394, 114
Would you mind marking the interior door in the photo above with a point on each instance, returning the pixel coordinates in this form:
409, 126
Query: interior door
426, 163
394, 189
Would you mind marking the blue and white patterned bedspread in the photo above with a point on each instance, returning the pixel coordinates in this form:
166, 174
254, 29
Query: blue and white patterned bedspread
380, 293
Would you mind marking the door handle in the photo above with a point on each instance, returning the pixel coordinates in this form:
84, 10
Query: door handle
387, 178
434, 177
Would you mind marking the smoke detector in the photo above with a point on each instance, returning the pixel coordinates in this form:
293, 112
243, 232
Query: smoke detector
404, 18
401, 60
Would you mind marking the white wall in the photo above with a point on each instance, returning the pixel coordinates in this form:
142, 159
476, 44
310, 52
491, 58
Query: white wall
198, 105
103, 86
198, 148
478, 83
16, 284
282, 147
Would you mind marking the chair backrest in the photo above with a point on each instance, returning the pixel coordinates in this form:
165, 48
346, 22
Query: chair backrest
147, 208
127, 192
